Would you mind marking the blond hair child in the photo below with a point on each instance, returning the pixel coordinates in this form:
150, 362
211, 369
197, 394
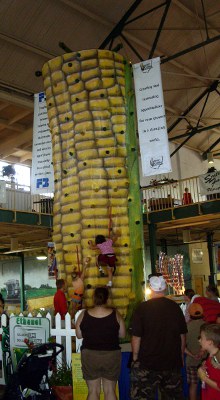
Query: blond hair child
209, 372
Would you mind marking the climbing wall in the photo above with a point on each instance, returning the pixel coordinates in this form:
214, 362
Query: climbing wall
85, 94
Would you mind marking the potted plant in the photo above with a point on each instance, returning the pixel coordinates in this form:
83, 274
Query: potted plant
61, 382
8, 170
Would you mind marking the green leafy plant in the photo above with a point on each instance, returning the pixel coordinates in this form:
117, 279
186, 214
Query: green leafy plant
8, 171
61, 376
52, 339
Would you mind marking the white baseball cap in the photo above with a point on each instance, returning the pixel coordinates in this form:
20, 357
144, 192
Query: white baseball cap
157, 283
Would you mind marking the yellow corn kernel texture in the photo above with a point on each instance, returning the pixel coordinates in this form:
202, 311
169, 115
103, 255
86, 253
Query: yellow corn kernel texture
86, 109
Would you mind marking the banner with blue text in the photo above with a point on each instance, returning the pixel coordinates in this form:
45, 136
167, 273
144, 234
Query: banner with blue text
42, 176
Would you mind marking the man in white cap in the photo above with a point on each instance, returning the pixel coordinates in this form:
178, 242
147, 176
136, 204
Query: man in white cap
158, 344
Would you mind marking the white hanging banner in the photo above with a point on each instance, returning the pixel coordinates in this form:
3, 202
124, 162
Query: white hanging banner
210, 183
152, 128
2, 192
42, 176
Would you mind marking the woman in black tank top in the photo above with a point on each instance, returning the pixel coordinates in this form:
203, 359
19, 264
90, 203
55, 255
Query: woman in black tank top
100, 327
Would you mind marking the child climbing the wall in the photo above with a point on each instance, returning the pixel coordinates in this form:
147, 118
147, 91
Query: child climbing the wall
78, 287
106, 256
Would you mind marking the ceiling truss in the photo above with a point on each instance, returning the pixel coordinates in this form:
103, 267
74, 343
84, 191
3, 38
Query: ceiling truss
124, 30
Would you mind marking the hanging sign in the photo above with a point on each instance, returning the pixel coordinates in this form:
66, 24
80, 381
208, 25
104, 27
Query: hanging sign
2, 192
154, 146
42, 177
210, 183
52, 262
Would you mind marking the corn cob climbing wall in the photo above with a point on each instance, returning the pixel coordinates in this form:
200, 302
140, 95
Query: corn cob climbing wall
85, 94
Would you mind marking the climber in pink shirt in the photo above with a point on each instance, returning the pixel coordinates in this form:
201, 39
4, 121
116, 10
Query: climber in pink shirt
106, 256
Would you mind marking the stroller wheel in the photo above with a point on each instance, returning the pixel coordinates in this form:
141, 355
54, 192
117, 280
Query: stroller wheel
12, 390
13, 394
48, 396
43, 396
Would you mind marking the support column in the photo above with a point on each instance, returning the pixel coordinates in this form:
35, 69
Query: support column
211, 261
22, 296
153, 246
163, 245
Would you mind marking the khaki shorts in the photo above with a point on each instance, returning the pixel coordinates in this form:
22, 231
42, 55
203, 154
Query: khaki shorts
101, 364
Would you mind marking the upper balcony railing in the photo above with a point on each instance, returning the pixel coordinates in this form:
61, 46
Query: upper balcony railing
155, 197
18, 197
173, 194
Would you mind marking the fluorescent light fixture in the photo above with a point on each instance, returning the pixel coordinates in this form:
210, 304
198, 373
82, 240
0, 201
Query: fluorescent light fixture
147, 291
210, 158
41, 256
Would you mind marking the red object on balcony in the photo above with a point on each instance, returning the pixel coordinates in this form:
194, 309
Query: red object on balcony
187, 198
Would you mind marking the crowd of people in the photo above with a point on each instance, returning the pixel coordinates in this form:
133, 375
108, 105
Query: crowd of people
163, 341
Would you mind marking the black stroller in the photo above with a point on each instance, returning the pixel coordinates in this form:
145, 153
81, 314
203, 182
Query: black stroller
30, 380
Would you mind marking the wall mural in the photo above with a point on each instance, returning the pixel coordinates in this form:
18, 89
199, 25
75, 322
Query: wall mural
38, 287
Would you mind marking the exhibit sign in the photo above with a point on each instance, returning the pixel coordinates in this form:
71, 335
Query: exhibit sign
210, 183
42, 175
25, 330
197, 256
52, 262
152, 128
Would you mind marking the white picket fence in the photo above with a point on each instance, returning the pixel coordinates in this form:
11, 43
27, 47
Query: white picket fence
62, 331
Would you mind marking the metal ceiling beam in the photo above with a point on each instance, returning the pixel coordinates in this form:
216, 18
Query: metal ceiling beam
116, 31
175, 63
108, 25
190, 49
145, 13
195, 130
122, 23
200, 20
203, 109
132, 47
211, 147
26, 46
193, 104
160, 29
182, 144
